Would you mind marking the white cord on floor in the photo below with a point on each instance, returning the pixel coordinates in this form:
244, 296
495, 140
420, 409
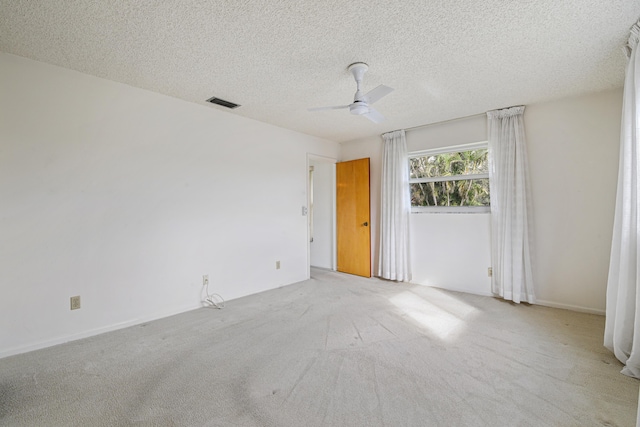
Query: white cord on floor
214, 300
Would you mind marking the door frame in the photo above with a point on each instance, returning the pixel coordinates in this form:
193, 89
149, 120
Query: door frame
324, 159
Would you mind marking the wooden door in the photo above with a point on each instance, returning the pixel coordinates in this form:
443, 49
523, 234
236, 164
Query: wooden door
353, 217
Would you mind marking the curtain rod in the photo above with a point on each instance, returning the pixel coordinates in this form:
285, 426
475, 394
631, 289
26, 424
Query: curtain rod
460, 118
445, 121
452, 120
436, 123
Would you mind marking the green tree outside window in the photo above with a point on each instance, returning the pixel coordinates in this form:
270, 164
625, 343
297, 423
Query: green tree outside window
450, 179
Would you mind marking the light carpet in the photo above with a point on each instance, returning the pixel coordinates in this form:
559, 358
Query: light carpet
335, 350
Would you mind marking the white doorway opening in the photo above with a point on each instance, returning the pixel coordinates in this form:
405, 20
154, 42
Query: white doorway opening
321, 202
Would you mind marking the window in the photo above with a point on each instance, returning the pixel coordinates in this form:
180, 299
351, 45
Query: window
453, 179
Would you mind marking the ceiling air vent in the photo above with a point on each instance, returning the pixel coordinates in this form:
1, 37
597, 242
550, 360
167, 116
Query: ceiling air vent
222, 102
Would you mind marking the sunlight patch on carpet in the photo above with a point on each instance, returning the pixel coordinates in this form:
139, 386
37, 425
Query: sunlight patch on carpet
445, 317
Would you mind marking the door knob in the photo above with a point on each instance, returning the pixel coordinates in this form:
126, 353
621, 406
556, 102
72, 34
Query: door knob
366, 224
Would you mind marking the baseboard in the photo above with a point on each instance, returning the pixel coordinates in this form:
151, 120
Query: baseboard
97, 331
570, 307
544, 303
322, 268
455, 289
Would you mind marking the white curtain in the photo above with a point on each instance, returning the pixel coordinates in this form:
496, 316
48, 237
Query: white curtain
394, 262
622, 326
511, 249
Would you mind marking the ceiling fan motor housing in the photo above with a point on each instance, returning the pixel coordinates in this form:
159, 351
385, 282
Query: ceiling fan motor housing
361, 102
359, 107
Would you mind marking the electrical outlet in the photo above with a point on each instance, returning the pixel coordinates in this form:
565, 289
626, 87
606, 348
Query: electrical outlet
205, 280
277, 265
75, 302
489, 271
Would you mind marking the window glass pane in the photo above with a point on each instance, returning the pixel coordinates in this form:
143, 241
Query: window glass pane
450, 164
464, 192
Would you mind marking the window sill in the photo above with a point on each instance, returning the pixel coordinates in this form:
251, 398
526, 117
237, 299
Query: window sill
450, 209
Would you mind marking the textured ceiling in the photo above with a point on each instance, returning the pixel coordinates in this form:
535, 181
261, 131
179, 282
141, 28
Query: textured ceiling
445, 58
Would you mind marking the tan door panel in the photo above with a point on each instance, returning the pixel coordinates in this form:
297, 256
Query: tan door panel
353, 217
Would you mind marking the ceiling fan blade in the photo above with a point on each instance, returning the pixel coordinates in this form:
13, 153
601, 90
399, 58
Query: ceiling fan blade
374, 116
338, 107
375, 94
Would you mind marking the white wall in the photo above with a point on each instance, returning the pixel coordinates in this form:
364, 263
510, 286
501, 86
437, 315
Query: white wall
573, 154
573, 147
451, 251
322, 247
454, 132
127, 197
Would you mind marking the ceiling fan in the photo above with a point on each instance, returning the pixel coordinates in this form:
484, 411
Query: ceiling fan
362, 103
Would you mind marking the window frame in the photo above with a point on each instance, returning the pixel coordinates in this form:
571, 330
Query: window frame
443, 150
